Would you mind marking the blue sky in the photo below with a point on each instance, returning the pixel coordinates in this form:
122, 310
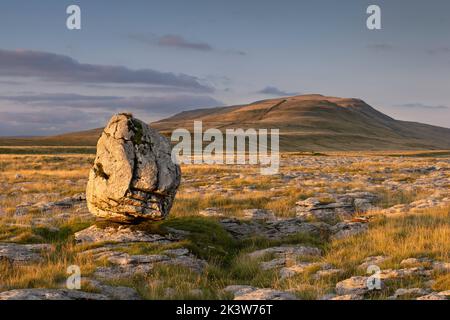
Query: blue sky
156, 58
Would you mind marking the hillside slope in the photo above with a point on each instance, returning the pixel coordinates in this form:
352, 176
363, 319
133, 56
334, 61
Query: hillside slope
306, 123
316, 122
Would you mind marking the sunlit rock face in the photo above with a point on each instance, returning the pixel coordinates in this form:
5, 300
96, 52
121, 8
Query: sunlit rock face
133, 177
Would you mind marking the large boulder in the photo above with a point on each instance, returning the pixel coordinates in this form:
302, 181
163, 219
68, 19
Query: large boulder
133, 177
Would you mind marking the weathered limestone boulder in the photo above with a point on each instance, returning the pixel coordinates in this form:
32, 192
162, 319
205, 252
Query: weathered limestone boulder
133, 176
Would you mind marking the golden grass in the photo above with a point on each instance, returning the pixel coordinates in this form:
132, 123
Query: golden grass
409, 235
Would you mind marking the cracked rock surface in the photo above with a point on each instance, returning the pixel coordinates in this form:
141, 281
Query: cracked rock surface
133, 176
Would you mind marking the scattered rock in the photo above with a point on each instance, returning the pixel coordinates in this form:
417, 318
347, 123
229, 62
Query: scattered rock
252, 293
273, 229
296, 268
125, 265
353, 286
409, 293
348, 297
282, 228
133, 176
273, 264
114, 292
127, 271
323, 211
23, 253
50, 294
121, 233
441, 266
443, 295
373, 260
292, 252
335, 206
240, 229
347, 229
414, 261
394, 274
327, 273
65, 203
258, 214
176, 252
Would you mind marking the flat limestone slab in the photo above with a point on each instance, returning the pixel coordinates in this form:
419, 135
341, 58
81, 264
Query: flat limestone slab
122, 233
23, 253
50, 294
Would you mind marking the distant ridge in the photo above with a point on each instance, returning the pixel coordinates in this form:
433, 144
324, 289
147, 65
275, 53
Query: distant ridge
307, 123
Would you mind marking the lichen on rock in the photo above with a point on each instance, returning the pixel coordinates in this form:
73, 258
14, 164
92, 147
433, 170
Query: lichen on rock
133, 176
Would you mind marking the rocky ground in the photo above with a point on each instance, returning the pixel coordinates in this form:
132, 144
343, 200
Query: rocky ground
341, 227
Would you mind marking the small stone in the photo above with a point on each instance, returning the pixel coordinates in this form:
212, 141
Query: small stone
195, 292
441, 266
352, 286
373, 260
169, 292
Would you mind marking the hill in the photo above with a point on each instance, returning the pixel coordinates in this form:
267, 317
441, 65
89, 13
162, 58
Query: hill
306, 123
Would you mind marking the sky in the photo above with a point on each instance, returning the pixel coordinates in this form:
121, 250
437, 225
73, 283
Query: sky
157, 58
